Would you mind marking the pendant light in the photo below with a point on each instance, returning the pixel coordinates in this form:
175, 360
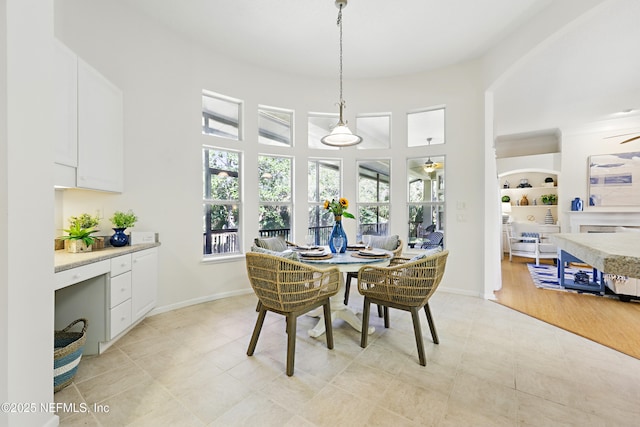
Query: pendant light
341, 135
429, 165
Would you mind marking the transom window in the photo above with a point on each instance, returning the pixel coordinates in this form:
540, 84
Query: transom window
221, 116
321, 125
275, 126
426, 127
375, 130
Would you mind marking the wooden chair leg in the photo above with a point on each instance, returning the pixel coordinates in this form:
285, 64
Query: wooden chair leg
328, 325
386, 317
347, 287
291, 342
256, 331
432, 325
418, 333
380, 314
365, 322
258, 306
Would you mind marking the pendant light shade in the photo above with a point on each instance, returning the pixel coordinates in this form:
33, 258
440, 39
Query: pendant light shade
341, 135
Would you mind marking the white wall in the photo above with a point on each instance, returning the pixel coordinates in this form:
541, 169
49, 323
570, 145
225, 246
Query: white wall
577, 146
162, 77
26, 260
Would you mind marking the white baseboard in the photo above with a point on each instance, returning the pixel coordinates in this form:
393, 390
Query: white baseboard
199, 300
460, 292
54, 421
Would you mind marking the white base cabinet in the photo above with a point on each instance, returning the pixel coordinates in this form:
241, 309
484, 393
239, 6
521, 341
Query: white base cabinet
144, 282
112, 294
133, 288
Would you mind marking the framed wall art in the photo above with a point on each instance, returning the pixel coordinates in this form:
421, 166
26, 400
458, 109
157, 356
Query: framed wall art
614, 179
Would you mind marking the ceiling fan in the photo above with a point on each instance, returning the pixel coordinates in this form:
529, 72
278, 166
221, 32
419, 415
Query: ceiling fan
637, 136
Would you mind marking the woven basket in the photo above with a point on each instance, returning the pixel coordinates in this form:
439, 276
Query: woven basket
67, 354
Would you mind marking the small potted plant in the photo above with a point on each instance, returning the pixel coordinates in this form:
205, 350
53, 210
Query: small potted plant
549, 199
121, 221
86, 220
80, 238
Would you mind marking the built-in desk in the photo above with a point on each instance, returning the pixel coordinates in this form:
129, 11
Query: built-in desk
112, 288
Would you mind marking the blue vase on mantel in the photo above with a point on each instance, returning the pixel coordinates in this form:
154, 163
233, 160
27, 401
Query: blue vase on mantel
119, 238
336, 231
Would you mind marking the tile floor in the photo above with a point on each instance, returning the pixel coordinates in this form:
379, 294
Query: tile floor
493, 367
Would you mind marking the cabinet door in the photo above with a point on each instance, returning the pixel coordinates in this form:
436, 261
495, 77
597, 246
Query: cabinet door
65, 111
144, 282
100, 139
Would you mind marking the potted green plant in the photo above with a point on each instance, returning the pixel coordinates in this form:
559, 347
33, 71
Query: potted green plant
549, 199
79, 237
84, 220
121, 221
506, 199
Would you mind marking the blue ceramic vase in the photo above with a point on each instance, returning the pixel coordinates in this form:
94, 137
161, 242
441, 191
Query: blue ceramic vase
119, 238
336, 231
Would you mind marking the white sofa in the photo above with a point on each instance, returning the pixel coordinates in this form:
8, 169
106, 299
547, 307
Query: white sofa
531, 240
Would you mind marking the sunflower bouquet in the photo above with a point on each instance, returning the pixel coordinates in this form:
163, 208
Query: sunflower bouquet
338, 208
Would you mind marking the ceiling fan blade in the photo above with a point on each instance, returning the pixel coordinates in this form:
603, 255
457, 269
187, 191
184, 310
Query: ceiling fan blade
630, 139
616, 136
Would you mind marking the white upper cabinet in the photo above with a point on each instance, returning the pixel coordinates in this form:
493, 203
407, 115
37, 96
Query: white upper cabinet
100, 132
87, 132
65, 126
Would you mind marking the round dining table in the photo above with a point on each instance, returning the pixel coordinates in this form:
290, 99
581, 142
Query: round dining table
347, 262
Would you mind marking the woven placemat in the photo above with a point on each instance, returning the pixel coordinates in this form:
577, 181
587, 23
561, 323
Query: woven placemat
311, 258
357, 255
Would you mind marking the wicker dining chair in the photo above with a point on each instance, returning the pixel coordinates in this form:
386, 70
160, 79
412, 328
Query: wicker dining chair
406, 285
290, 288
397, 251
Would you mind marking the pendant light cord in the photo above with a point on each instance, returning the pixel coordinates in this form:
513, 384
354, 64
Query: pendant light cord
340, 25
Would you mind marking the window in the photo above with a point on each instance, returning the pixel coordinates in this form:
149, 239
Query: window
373, 197
221, 116
323, 184
321, 125
275, 126
426, 127
426, 179
221, 201
274, 194
375, 130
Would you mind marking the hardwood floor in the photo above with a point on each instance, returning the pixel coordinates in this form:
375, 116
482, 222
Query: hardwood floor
607, 321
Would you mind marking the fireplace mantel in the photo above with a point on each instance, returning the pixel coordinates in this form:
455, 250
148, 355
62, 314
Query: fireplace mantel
603, 218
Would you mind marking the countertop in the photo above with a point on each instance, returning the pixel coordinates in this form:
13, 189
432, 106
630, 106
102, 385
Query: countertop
64, 260
613, 253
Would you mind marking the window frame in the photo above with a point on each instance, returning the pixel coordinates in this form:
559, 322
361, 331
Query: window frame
270, 233
381, 227
239, 125
321, 231
262, 134
208, 232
